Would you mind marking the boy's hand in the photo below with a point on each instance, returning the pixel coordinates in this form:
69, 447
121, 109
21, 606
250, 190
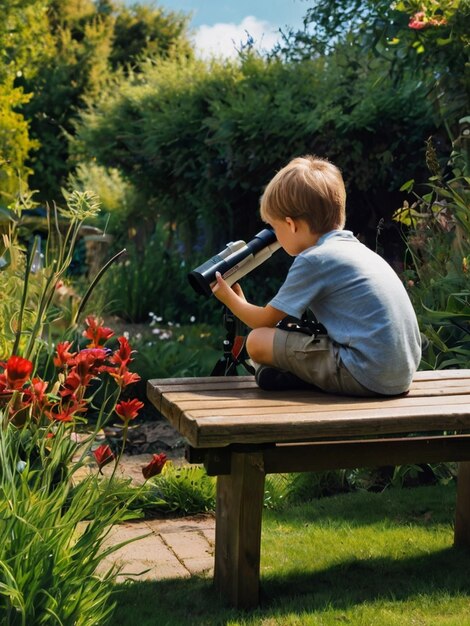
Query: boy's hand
223, 292
250, 314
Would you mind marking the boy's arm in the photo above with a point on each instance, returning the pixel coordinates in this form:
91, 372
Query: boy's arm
250, 314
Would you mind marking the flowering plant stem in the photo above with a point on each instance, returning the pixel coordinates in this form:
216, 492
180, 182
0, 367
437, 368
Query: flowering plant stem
94, 283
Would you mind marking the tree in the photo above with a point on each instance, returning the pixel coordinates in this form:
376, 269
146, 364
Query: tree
428, 37
23, 44
87, 43
141, 31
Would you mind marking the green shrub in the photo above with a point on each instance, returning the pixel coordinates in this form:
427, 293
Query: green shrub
437, 235
202, 140
178, 351
185, 490
81, 46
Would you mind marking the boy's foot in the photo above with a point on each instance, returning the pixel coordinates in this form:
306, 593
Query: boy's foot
272, 379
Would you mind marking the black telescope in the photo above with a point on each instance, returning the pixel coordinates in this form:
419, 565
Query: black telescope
236, 260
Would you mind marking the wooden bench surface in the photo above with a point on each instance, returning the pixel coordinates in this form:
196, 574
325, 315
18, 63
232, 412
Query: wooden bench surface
219, 411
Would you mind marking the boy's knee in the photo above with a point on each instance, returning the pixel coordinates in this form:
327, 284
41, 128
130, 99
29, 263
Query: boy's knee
259, 345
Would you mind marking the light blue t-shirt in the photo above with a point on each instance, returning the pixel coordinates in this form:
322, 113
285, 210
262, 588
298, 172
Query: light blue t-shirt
362, 303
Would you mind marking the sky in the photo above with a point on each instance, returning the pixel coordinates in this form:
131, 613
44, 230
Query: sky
220, 26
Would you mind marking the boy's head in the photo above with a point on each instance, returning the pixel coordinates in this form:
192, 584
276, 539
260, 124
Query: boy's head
307, 188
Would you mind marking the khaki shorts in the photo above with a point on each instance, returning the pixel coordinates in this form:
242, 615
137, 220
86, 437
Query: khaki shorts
315, 360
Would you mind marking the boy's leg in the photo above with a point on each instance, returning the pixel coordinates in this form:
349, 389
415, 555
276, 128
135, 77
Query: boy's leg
312, 360
259, 345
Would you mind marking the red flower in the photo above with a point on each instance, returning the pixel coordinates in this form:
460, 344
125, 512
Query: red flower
61, 413
92, 357
18, 371
124, 378
72, 383
97, 333
122, 356
155, 466
128, 409
4, 384
63, 354
103, 455
37, 392
39, 387
86, 365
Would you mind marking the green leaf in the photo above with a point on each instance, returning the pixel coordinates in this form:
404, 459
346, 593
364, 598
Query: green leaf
443, 42
406, 216
408, 186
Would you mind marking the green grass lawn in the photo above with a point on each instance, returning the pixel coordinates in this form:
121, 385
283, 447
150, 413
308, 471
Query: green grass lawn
358, 558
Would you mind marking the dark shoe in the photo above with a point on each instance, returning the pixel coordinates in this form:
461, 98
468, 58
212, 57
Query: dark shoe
272, 379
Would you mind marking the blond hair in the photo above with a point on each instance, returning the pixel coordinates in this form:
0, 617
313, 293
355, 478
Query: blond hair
310, 188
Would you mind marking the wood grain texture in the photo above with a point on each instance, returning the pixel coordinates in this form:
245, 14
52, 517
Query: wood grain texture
219, 411
239, 511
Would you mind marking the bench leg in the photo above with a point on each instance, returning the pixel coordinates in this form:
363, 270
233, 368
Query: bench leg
239, 508
462, 514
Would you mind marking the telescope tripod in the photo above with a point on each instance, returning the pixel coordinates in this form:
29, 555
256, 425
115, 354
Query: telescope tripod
235, 353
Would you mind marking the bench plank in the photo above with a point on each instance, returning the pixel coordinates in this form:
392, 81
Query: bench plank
211, 382
234, 408
217, 431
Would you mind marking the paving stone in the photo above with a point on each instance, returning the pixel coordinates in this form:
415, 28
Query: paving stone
187, 544
193, 523
199, 566
161, 572
209, 534
163, 548
145, 560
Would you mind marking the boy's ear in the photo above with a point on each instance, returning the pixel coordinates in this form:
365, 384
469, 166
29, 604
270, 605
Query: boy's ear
291, 223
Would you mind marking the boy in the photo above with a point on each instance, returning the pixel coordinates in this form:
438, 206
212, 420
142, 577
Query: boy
372, 346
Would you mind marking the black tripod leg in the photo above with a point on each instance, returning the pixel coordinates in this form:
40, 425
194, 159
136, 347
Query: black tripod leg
224, 367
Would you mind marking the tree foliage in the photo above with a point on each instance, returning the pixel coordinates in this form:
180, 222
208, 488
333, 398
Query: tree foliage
54, 55
140, 31
23, 37
428, 37
202, 140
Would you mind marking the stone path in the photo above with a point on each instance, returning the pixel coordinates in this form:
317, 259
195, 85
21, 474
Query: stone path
159, 548
167, 548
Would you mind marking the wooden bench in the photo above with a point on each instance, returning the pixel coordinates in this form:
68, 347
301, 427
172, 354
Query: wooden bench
242, 433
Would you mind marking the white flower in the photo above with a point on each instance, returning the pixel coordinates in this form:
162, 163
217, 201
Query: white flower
20, 466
